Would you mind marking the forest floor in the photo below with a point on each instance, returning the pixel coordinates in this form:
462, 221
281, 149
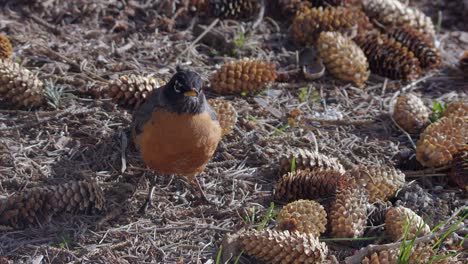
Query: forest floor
77, 46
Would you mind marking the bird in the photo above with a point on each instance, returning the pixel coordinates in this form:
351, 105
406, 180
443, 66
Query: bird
176, 130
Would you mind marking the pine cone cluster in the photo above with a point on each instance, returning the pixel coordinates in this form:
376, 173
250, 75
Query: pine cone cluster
226, 9
132, 90
343, 58
243, 76
304, 216
310, 22
227, 114
380, 182
441, 140
348, 213
432, 209
388, 57
307, 184
395, 13
418, 43
38, 205
19, 87
410, 113
6, 49
401, 221
286, 247
308, 160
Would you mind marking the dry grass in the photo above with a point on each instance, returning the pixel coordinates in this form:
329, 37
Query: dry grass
76, 46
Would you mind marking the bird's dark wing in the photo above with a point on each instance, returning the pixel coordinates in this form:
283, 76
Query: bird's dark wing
211, 111
143, 114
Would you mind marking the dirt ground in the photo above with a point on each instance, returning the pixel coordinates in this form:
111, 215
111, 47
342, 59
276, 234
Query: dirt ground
77, 46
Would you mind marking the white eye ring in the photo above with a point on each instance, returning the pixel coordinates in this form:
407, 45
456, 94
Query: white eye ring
176, 84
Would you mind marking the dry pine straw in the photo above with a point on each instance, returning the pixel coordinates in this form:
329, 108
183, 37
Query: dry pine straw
89, 138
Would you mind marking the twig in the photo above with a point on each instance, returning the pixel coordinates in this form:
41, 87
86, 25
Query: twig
70, 111
346, 122
208, 29
44, 23
260, 15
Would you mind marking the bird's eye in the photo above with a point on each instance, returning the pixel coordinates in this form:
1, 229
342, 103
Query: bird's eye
177, 87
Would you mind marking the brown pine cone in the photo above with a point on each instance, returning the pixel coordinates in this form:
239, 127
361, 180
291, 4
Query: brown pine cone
463, 63
418, 43
247, 76
441, 140
380, 182
395, 13
304, 216
38, 205
400, 218
420, 253
457, 108
227, 114
410, 113
307, 184
132, 90
6, 49
310, 22
20, 87
459, 169
343, 58
290, 7
308, 160
388, 57
226, 9
284, 247
348, 213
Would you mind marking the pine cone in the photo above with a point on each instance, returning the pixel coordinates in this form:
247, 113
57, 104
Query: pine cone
6, 49
37, 205
400, 218
463, 63
348, 213
343, 58
310, 160
243, 76
457, 108
19, 86
307, 184
395, 13
418, 43
304, 216
310, 22
388, 57
420, 253
132, 90
273, 246
459, 169
432, 209
441, 140
380, 182
227, 114
226, 9
410, 113
290, 7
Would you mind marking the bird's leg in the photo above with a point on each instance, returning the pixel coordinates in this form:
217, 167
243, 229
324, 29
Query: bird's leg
149, 199
198, 187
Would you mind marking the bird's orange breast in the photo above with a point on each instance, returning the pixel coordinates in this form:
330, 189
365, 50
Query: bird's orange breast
178, 143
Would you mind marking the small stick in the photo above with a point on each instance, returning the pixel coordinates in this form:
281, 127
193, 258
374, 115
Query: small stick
208, 29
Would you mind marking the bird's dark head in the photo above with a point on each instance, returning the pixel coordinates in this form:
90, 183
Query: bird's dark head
184, 92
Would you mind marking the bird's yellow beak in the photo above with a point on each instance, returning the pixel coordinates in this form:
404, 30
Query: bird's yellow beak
191, 93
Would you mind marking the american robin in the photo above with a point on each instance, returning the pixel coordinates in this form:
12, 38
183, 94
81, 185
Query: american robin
176, 130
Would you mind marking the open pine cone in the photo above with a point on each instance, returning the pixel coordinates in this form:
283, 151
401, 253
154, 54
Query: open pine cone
286, 247
308, 160
226, 9
6, 49
304, 216
307, 184
457, 108
227, 114
380, 182
132, 90
19, 87
420, 253
399, 218
38, 205
410, 113
348, 213
388, 57
395, 13
310, 22
420, 44
441, 140
343, 58
243, 76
